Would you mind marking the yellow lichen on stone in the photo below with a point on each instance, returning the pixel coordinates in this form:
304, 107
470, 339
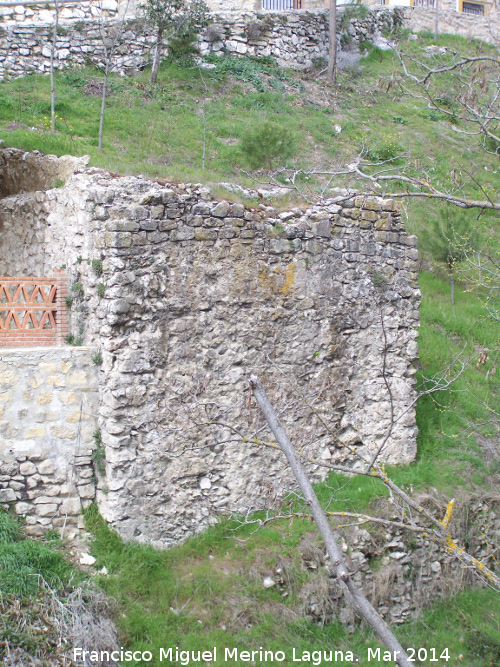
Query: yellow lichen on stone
289, 280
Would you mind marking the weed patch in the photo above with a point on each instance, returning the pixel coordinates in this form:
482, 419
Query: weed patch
25, 564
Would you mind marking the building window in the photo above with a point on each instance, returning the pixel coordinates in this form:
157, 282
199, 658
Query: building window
473, 8
281, 5
429, 4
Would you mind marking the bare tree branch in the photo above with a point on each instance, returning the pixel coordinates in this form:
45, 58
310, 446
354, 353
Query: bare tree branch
357, 600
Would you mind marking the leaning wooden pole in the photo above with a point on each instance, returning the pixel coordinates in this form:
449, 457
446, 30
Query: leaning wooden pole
354, 596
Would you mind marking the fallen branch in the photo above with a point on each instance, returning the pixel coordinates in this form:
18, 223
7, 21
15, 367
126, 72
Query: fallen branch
356, 599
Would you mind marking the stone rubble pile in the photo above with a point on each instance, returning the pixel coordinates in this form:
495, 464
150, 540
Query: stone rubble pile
402, 572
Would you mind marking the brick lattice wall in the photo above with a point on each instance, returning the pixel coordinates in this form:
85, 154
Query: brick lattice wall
33, 310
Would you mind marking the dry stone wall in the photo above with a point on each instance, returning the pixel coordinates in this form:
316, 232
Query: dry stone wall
184, 296
48, 411
295, 39
400, 572
69, 11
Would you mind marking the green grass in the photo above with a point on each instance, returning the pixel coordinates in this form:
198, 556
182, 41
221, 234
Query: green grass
26, 564
159, 131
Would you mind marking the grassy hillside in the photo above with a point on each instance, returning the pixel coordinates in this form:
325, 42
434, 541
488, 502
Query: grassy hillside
208, 591
159, 131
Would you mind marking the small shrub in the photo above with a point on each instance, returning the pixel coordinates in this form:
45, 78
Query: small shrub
74, 78
101, 289
387, 150
97, 266
399, 120
183, 46
276, 230
68, 300
77, 289
379, 280
75, 341
492, 145
99, 453
97, 358
353, 11
52, 536
79, 259
345, 40
319, 63
447, 102
266, 143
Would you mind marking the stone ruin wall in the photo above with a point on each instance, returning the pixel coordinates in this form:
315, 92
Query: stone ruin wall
296, 40
199, 293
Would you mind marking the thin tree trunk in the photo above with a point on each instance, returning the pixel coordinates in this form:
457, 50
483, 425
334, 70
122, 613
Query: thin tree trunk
157, 57
332, 42
103, 107
452, 287
52, 86
108, 54
436, 27
356, 599
204, 152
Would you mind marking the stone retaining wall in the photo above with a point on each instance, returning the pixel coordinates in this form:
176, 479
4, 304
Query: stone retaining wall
44, 13
48, 410
295, 39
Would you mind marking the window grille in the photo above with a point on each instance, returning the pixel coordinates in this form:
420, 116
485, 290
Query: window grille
473, 8
281, 5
